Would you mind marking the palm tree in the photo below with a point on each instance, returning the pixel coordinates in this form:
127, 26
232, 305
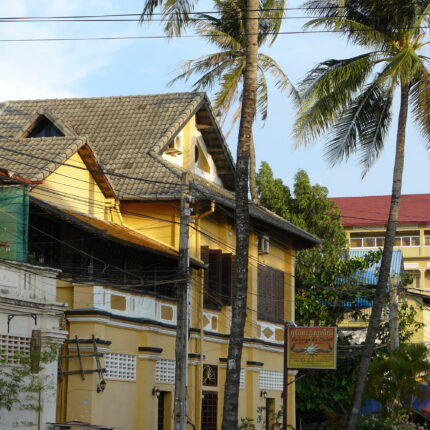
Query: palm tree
351, 99
225, 68
398, 380
176, 15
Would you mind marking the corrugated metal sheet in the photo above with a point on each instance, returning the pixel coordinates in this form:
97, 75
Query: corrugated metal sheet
370, 276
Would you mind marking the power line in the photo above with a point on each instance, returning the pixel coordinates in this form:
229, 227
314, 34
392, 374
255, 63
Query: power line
189, 36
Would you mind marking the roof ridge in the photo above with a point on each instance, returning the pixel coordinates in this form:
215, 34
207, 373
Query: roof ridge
200, 93
379, 195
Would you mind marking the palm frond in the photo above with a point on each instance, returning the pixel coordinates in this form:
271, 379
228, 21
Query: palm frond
229, 87
363, 126
262, 104
420, 98
327, 90
404, 66
356, 32
219, 37
235, 117
176, 15
211, 72
269, 65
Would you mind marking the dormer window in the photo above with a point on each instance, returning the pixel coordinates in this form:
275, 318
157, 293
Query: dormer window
175, 147
45, 128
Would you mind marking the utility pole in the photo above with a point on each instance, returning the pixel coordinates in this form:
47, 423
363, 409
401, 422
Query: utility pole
181, 347
286, 383
394, 315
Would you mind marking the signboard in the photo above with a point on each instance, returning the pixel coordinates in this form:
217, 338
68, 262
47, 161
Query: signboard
311, 348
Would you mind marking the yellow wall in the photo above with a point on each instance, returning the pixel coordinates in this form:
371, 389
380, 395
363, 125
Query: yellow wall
416, 258
131, 405
75, 189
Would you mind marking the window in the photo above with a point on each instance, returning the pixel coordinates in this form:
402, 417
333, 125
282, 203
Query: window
356, 242
13, 346
120, 366
270, 304
378, 242
369, 242
271, 380
210, 375
45, 128
175, 147
165, 371
218, 278
209, 410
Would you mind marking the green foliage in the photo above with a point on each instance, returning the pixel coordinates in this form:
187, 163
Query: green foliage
351, 99
325, 276
260, 422
397, 423
224, 69
20, 383
395, 380
408, 325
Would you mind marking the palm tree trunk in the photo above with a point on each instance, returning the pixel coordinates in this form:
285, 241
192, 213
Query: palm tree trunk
252, 173
384, 273
231, 393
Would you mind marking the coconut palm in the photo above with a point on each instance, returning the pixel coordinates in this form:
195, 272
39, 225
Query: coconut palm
224, 70
352, 100
176, 16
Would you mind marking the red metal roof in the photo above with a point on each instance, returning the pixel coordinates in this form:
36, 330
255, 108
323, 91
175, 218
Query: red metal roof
373, 210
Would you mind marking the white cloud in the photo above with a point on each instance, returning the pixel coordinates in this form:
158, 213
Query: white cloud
53, 69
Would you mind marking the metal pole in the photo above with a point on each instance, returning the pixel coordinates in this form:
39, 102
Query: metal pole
285, 392
181, 347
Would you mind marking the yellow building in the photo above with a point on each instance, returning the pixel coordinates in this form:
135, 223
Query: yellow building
364, 220
105, 178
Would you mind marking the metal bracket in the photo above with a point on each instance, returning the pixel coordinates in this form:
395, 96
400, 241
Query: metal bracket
10, 317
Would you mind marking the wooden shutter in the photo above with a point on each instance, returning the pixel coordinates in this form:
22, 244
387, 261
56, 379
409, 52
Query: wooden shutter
215, 274
270, 289
227, 278
204, 256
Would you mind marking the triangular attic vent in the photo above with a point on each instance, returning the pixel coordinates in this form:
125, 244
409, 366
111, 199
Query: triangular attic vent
44, 128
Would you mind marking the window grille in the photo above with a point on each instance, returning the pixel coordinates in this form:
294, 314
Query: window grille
242, 378
12, 346
271, 380
120, 366
165, 371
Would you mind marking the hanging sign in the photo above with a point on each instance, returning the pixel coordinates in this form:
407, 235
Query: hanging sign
311, 348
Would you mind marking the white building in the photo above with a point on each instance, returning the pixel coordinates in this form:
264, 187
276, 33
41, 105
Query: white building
28, 310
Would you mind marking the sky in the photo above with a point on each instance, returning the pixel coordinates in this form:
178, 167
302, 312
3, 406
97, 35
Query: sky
31, 70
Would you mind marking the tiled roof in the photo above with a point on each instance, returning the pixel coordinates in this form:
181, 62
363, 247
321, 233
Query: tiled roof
29, 159
208, 189
373, 210
128, 133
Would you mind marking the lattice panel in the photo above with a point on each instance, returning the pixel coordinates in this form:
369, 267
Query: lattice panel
12, 346
242, 378
165, 371
271, 380
120, 366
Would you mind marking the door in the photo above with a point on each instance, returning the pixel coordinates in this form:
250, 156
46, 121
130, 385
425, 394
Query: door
209, 410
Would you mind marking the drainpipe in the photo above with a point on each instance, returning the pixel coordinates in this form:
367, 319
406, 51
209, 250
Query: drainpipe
208, 212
